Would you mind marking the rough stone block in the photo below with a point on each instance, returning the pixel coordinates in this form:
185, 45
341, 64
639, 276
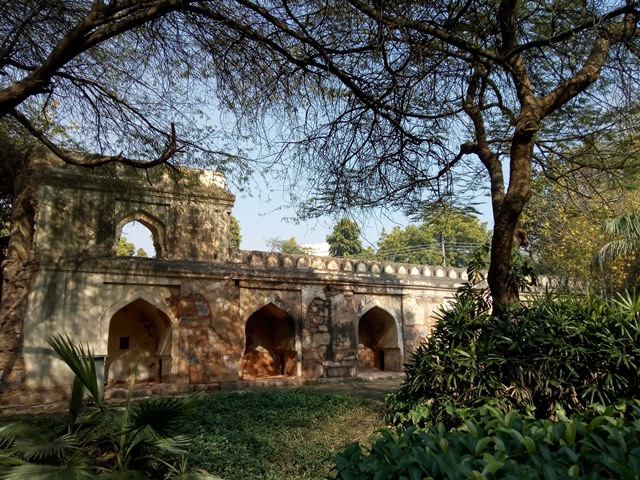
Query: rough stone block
321, 339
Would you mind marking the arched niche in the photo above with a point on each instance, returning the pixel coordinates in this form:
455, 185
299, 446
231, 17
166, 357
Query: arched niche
378, 343
139, 340
155, 227
270, 344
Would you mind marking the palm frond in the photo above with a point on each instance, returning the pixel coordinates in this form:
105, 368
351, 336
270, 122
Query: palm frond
626, 226
76, 400
80, 361
10, 431
163, 414
615, 249
123, 475
25, 442
9, 461
75, 469
33, 446
176, 444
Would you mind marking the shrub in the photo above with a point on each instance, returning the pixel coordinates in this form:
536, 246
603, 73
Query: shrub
563, 351
600, 443
133, 441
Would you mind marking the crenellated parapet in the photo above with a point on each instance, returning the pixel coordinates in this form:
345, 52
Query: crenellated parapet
351, 267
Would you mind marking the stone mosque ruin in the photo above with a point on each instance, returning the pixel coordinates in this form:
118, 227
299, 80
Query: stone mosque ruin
198, 313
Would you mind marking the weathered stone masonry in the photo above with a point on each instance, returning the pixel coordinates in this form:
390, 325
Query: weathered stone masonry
198, 313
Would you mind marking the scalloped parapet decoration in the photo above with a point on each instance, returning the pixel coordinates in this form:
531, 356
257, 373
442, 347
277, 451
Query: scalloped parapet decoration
334, 265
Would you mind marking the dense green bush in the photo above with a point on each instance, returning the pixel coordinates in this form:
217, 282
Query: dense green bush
600, 443
565, 351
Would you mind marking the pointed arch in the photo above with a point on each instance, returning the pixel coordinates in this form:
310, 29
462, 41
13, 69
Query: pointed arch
379, 345
142, 294
139, 337
155, 226
271, 344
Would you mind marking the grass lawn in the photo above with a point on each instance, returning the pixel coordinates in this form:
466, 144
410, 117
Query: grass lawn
277, 434
268, 434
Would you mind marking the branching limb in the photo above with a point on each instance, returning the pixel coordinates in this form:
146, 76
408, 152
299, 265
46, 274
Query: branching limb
97, 160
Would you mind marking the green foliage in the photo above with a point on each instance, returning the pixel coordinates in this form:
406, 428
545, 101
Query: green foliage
625, 231
563, 351
344, 240
461, 232
600, 443
564, 222
287, 434
136, 440
13, 147
141, 253
235, 238
276, 434
290, 246
124, 248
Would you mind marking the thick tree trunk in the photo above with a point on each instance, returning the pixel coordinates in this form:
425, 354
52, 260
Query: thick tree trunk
17, 273
507, 215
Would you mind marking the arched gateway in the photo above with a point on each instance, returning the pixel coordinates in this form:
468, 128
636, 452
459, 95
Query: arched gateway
139, 342
378, 345
269, 344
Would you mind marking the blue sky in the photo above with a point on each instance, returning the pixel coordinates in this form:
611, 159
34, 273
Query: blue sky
265, 214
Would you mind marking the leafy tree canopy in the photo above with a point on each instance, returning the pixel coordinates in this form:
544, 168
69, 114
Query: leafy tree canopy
290, 246
622, 248
395, 102
235, 238
454, 232
125, 248
565, 219
344, 240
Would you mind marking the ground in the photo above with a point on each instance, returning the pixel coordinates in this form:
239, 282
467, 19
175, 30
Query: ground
374, 385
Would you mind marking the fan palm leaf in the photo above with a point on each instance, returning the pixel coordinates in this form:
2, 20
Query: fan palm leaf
27, 443
163, 415
80, 361
140, 435
627, 228
75, 469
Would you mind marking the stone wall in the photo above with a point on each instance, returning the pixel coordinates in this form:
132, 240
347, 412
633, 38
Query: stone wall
198, 313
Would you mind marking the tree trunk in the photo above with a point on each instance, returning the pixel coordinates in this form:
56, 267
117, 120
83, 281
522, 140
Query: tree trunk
507, 216
17, 273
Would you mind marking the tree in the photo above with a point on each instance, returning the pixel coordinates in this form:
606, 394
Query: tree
141, 253
235, 238
125, 248
124, 75
447, 237
393, 102
416, 101
565, 232
344, 240
290, 246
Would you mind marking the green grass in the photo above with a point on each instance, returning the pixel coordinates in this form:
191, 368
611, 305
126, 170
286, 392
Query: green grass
266, 434
277, 434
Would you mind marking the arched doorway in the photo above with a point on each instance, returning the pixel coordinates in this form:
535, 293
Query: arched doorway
140, 340
269, 344
378, 347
